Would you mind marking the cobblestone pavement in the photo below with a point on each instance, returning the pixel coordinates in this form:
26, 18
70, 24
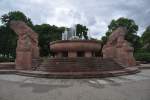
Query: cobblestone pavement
129, 87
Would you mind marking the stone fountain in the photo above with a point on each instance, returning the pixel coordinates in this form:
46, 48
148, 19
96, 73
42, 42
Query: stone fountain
73, 57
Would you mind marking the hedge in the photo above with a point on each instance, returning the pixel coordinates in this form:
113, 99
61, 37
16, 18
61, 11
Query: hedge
2, 59
145, 56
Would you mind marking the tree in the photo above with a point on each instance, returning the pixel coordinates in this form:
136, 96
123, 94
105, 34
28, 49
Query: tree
132, 29
15, 15
47, 34
7, 42
82, 30
146, 38
104, 40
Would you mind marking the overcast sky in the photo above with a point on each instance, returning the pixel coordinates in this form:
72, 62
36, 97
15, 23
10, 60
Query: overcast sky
95, 14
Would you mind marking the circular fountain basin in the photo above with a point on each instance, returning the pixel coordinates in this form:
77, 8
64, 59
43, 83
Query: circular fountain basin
75, 45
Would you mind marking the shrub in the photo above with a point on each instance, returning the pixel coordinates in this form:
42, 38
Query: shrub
142, 56
2, 59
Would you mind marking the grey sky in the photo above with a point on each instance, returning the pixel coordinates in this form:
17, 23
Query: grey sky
95, 14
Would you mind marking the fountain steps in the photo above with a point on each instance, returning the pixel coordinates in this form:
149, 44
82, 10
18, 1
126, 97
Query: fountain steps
78, 65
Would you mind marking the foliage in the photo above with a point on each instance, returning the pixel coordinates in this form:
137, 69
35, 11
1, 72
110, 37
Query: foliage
5, 59
15, 15
143, 56
47, 34
146, 39
104, 40
125, 22
7, 42
82, 30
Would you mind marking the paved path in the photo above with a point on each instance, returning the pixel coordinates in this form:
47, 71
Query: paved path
129, 87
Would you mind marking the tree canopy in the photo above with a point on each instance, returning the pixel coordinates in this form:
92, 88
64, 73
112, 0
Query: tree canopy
15, 15
82, 30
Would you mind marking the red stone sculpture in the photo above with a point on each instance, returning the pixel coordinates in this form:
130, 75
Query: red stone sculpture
118, 48
27, 45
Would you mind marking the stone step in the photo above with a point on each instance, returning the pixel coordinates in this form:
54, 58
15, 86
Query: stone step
78, 64
7, 66
88, 67
36, 63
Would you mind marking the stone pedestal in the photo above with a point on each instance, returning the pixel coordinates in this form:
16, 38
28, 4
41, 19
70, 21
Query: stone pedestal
59, 55
72, 54
23, 60
88, 54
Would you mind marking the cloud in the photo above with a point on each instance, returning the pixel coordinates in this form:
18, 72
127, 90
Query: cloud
95, 14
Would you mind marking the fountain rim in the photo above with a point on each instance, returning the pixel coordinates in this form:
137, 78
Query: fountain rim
66, 41
75, 45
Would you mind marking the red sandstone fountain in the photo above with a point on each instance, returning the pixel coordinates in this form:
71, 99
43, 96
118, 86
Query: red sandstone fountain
81, 58
73, 57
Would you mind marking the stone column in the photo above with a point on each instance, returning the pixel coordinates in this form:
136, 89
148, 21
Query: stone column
72, 54
59, 55
27, 45
88, 54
